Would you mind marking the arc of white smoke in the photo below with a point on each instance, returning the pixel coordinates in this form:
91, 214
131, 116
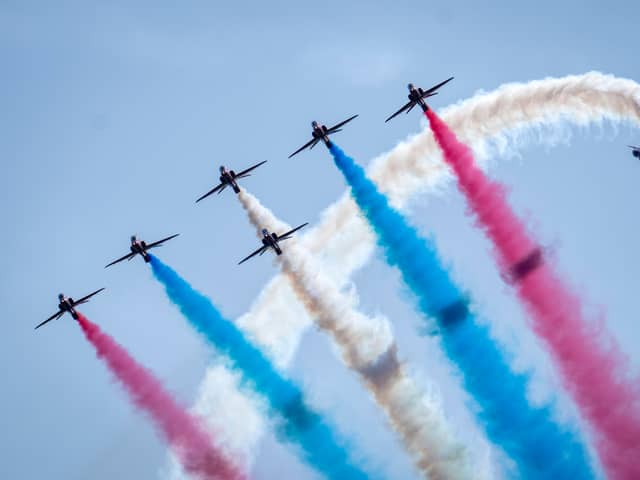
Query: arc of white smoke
368, 347
342, 240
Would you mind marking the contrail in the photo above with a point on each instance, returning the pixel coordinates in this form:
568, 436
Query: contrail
593, 368
502, 119
188, 439
368, 347
529, 435
297, 422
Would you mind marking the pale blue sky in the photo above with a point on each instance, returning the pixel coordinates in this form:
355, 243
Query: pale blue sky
115, 118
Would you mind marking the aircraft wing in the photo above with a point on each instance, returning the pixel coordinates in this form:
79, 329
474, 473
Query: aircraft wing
86, 298
433, 89
260, 251
160, 242
407, 106
128, 256
218, 189
335, 128
287, 235
633, 147
55, 316
310, 143
245, 172
314, 143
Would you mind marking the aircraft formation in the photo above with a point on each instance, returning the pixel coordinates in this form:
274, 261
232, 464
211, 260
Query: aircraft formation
228, 178
270, 240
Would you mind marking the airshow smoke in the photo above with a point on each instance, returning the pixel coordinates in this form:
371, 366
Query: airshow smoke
368, 347
190, 442
319, 444
592, 367
530, 436
498, 121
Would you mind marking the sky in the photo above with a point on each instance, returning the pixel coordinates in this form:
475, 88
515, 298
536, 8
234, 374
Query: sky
115, 117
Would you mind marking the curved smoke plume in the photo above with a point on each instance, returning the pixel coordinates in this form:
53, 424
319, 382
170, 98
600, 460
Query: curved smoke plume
414, 166
368, 347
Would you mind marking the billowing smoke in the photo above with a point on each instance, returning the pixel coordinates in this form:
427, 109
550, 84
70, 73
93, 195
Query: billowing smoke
529, 435
318, 442
593, 369
184, 433
499, 120
368, 347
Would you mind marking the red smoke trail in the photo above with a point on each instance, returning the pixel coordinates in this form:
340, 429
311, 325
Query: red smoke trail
592, 368
189, 441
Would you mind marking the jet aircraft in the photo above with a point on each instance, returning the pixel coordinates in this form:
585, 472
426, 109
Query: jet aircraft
228, 179
271, 240
417, 96
635, 151
68, 304
321, 132
140, 247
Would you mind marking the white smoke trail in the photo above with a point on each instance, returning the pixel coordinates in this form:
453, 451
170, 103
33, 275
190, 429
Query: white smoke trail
342, 240
368, 347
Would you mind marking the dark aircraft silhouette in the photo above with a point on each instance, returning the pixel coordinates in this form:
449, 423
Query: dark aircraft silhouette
228, 178
417, 96
68, 304
635, 151
271, 240
140, 247
321, 132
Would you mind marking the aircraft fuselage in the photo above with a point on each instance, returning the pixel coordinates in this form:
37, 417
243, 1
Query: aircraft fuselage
271, 240
636, 153
228, 177
66, 305
320, 132
140, 247
415, 95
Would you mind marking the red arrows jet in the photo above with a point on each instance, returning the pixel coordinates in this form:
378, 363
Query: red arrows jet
417, 96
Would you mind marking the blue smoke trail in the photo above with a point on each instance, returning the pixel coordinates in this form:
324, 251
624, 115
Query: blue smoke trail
297, 422
535, 442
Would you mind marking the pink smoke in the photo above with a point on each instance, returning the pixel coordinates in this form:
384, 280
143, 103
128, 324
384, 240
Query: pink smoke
592, 368
190, 442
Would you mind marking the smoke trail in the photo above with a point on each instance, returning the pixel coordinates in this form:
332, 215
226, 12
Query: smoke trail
504, 117
593, 368
368, 347
184, 433
539, 446
297, 422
